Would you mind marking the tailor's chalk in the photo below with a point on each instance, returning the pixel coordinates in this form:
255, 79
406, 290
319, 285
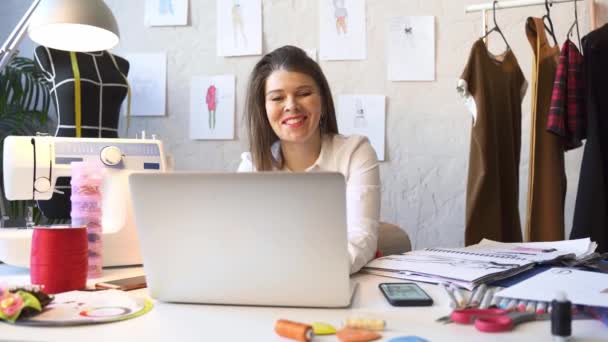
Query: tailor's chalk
407, 339
320, 328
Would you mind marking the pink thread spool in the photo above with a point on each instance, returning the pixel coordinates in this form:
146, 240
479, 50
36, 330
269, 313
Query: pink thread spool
86, 183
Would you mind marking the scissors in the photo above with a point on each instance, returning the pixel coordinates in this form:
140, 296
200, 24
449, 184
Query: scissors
494, 320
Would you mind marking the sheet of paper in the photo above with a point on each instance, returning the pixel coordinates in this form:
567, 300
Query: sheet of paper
212, 101
312, 53
540, 251
239, 27
581, 287
364, 115
166, 13
148, 80
342, 30
411, 48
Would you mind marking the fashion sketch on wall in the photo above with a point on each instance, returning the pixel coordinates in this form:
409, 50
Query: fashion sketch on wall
239, 27
148, 79
212, 103
411, 48
364, 115
166, 13
342, 30
341, 13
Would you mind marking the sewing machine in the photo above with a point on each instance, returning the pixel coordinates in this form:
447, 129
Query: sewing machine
32, 166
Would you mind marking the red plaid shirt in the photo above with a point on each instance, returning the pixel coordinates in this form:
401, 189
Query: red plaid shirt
568, 112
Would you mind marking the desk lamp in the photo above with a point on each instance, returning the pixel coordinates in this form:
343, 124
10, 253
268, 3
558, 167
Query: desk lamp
70, 25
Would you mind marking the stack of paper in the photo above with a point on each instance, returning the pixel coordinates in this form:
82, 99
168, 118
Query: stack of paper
580, 287
473, 265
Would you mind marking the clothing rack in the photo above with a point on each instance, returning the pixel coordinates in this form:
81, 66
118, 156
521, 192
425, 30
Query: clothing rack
483, 8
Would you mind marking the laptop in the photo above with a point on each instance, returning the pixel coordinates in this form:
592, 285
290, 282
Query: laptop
271, 239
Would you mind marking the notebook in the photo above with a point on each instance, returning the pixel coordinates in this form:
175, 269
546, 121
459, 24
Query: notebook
473, 265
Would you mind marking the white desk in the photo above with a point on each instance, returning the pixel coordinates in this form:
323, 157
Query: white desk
182, 322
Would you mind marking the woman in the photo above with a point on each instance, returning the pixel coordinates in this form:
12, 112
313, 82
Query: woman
292, 127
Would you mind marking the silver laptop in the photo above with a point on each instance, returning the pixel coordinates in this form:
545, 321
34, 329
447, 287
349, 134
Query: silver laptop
274, 239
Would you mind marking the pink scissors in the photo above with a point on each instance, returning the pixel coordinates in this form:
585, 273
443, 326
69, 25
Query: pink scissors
494, 320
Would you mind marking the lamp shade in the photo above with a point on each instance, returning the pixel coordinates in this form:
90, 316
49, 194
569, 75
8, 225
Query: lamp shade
74, 25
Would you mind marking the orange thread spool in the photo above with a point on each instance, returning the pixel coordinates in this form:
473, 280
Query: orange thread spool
294, 330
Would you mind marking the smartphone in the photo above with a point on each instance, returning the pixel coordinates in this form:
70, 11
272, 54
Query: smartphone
405, 294
124, 284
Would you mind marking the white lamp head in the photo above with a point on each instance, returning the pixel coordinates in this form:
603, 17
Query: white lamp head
74, 25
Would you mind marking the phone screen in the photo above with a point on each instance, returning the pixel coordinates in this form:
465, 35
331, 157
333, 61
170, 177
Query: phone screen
405, 291
404, 294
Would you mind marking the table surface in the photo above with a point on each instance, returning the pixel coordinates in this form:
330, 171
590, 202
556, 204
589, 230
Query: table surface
174, 322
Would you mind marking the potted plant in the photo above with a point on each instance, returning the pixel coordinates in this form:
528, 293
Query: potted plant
24, 106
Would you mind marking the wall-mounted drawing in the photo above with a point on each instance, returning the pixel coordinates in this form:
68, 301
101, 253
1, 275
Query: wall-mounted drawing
342, 29
239, 27
166, 13
166, 7
212, 100
360, 121
148, 80
341, 14
238, 30
364, 115
411, 48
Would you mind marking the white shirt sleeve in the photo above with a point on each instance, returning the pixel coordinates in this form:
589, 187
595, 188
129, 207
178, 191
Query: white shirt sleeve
363, 205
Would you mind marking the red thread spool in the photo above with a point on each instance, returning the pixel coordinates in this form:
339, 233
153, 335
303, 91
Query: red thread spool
59, 258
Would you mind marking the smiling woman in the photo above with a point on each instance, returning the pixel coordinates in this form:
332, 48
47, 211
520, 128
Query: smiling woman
292, 127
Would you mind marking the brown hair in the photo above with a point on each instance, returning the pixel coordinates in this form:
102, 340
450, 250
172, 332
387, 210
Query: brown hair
261, 135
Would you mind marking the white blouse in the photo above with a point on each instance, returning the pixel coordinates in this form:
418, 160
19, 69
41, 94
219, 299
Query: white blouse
354, 158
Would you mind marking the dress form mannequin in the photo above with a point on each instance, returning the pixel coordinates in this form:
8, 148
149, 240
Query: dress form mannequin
103, 88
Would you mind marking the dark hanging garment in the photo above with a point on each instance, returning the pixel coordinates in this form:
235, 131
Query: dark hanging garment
493, 88
591, 209
547, 177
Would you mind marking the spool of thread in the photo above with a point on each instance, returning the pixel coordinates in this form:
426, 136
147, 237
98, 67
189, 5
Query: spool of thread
59, 258
294, 330
365, 323
86, 210
561, 317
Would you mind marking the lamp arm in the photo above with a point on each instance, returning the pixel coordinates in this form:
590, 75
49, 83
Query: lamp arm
8, 51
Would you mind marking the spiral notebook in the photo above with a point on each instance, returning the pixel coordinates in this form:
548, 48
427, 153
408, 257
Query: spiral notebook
473, 265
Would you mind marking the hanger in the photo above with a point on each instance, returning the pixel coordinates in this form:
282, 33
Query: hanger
496, 28
575, 24
548, 17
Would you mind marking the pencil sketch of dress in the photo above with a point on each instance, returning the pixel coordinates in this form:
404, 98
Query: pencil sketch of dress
238, 29
211, 100
341, 14
166, 7
360, 121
